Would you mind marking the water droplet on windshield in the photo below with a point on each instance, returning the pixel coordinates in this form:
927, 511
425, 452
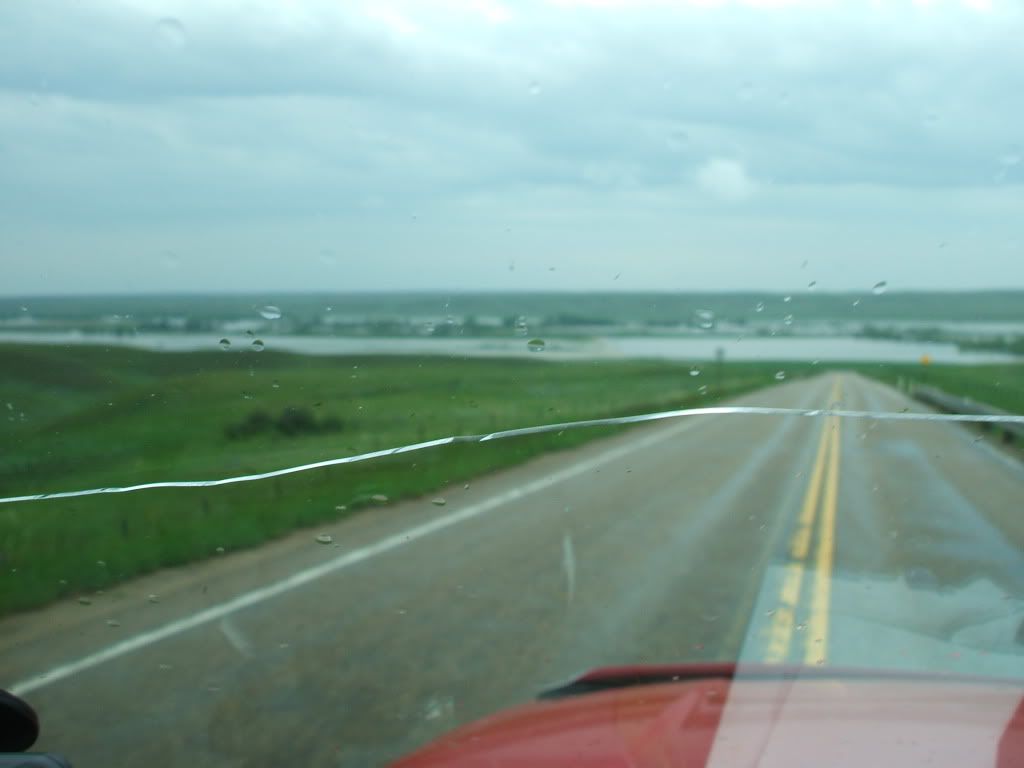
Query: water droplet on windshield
270, 312
153, 598
780, 375
257, 345
224, 344
324, 538
695, 371
84, 601
703, 389
678, 140
428, 328
536, 345
787, 320
170, 33
812, 285
380, 498
787, 299
856, 303
220, 550
276, 384
705, 319
439, 502
113, 623
759, 307
521, 328
879, 288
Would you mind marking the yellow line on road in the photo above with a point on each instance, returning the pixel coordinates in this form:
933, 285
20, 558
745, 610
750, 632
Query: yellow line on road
780, 631
816, 650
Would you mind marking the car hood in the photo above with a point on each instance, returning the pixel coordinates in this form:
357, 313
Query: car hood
724, 717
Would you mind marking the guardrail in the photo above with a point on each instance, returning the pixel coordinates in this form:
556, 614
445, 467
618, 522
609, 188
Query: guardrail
944, 401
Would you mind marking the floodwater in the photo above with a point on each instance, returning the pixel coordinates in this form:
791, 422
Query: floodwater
608, 348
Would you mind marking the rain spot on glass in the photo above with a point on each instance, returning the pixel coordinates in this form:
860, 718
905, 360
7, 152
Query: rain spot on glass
536, 345
270, 312
780, 375
275, 384
225, 344
703, 389
170, 33
879, 288
812, 285
438, 707
324, 538
856, 303
84, 601
695, 371
678, 140
220, 550
428, 328
438, 502
113, 623
705, 319
257, 345
787, 299
759, 307
380, 498
521, 328
169, 260
787, 320
153, 598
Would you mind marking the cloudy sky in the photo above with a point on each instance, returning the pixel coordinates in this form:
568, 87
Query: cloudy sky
489, 144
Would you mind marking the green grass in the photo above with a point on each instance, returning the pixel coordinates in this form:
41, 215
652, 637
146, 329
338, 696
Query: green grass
83, 417
999, 385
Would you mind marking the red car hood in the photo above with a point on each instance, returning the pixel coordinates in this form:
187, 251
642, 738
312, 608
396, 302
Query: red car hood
711, 716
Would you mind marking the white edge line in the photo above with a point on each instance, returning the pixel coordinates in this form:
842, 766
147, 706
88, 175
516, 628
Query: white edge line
301, 578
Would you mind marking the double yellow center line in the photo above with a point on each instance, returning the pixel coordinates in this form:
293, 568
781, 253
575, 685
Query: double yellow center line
821, 495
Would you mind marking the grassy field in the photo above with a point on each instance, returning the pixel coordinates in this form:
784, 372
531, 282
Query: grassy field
999, 385
82, 417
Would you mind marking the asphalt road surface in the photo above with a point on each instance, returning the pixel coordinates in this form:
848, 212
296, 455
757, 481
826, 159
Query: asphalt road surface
760, 538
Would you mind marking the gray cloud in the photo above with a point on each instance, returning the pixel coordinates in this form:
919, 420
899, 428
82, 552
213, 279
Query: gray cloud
697, 145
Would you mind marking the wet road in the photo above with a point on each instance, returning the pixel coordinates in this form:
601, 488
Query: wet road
763, 538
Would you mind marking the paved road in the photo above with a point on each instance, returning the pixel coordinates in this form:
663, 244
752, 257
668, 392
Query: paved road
819, 540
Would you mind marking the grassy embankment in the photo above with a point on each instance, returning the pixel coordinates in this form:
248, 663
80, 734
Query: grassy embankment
85, 417
1000, 385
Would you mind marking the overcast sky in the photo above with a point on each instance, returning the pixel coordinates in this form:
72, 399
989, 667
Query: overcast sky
484, 144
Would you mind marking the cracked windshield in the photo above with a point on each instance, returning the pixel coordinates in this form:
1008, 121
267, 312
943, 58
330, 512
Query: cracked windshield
491, 383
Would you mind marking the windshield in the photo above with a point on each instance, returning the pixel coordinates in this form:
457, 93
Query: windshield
368, 368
